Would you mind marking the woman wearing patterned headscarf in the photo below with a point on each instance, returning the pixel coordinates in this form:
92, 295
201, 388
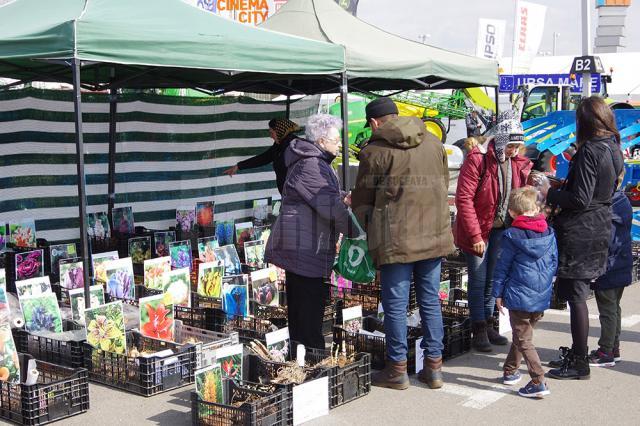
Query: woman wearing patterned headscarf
282, 131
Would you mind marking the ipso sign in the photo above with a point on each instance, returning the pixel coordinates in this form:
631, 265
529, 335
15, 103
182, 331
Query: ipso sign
510, 83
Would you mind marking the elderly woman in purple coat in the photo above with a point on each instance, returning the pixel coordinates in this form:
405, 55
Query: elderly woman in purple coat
313, 214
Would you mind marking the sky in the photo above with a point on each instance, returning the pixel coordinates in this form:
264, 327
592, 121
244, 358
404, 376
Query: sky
453, 24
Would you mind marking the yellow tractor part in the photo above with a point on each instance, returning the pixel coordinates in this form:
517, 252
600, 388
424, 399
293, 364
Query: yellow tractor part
430, 123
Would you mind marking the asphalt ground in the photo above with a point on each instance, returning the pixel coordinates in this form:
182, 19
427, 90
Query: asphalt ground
472, 392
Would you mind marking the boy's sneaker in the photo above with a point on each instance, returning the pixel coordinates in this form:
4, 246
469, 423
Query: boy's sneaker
511, 379
600, 358
616, 354
533, 390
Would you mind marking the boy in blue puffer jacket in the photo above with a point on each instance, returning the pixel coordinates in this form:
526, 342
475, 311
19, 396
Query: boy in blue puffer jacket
522, 282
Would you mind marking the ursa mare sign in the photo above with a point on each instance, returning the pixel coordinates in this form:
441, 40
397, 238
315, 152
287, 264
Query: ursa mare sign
509, 83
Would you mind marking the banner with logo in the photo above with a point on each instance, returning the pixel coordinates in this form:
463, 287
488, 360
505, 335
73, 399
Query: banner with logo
490, 42
528, 30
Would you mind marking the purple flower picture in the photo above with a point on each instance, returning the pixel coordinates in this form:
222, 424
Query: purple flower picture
29, 265
180, 252
186, 219
71, 274
123, 220
120, 284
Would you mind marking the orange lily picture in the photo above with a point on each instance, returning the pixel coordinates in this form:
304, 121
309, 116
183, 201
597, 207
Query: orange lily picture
156, 318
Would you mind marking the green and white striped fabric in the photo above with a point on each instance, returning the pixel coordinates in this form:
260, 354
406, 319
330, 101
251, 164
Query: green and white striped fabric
171, 152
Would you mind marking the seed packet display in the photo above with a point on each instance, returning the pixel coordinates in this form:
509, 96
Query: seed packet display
244, 233
205, 249
98, 226
180, 252
162, 241
254, 254
9, 361
204, 213
99, 262
154, 270
445, 287
41, 313
264, 286
224, 232
105, 327
177, 287
3, 237
260, 209
59, 252
228, 256
23, 234
262, 233
276, 204
209, 384
76, 300
123, 220
139, 249
120, 284
352, 319
278, 344
186, 219
5, 311
33, 287
156, 318
29, 264
235, 296
230, 360
210, 279
71, 273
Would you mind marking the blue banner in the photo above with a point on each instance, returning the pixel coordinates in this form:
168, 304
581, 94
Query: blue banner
509, 83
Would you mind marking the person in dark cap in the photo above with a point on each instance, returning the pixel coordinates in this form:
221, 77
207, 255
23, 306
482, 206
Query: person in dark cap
401, 198
282, 131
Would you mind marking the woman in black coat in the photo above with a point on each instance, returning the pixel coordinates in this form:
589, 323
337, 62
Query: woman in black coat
282, 131
583, 226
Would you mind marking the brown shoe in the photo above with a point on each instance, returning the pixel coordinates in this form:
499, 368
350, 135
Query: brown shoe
431, 372
393, 376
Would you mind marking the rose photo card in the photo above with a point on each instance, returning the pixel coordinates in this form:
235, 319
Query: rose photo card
29, 264
244, 233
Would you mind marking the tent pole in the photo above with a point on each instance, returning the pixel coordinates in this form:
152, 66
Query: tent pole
82, 194
497, 94
113, 108
344, 103
288, 107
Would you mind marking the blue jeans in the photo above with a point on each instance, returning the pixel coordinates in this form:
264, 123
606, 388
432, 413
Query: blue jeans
396, 282
481, 302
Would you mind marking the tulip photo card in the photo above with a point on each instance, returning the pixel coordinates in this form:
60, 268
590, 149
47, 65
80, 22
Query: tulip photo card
71, 273
264, 286
154, 270
210, 279
123, 220
120, 284
29, 264
105, 327
99, 262
41, 313
76, 300
156, 318
23, 234
161, 242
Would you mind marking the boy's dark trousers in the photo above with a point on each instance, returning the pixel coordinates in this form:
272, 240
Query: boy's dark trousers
522, 325
610, 317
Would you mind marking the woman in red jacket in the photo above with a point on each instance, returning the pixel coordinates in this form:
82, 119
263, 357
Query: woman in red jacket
488, 175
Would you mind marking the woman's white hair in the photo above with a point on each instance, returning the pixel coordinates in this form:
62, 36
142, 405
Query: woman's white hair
319, 125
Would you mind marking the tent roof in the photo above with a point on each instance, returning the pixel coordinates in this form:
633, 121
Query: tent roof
373, 54
150, 43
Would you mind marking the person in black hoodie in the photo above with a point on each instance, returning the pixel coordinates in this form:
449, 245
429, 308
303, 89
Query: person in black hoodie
583, 225
282, 131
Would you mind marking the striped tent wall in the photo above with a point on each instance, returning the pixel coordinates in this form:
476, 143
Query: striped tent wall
171, 152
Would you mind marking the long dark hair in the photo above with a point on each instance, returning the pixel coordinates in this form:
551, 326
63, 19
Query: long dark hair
595, 119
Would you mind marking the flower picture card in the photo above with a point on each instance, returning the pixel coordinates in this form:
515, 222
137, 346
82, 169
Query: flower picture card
123, 220
98, 226
105, 327
177, 287
204, 213
205, 249
352, 319
228, 257
261, 209
120, 284
29, 264
235, 296
3, 278
23, 234
33, 286
161, 242
276, 205
278, 344
41, 313
244, 232
5, 310
3, 236
71, 273
154, 270
210, 279
156, 318
264, 286
58, 252
186, 219
230, 360
76, 300
99, 262
254, 253
209, 384
139, 249
262, 233
9, 361
443, 292
225, 231
180, 252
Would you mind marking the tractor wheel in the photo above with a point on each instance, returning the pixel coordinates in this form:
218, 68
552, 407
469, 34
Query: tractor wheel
436, 128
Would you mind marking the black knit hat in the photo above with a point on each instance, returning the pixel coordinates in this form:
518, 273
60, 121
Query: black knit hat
379, 108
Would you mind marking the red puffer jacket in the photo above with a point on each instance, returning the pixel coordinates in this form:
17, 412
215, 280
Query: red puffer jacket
477, 194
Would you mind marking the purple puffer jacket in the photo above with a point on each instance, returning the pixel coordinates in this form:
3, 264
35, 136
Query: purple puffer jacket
303, 239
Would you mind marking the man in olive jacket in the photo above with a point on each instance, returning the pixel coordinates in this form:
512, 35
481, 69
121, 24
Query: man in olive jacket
401, 199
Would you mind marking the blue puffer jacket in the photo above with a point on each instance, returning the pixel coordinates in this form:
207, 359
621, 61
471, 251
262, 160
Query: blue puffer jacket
526, 265
620, 260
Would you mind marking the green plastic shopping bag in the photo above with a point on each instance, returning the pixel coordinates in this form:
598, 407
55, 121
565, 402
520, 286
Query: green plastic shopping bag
354, 262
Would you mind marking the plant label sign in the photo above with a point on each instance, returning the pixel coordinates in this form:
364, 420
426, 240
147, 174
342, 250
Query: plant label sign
310, 400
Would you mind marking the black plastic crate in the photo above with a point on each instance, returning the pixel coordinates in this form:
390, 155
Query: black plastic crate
269, 405
277, 315
200, 317
376, 346
249, 328
205, 302
366, 295
142, 375
454, 310
329, 319
61, 392
457, 337
55, 348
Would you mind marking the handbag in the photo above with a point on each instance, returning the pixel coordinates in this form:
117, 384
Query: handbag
354, 262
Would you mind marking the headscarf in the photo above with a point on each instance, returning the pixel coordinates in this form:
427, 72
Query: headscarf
508, 130
283, 127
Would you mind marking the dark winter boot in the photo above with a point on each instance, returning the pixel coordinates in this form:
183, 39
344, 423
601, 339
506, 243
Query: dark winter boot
431, 372
494, 337
575, 367
480, 340
564, 353
393, 376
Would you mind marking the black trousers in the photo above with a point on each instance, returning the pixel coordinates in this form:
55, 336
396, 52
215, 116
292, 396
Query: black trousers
305, 304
